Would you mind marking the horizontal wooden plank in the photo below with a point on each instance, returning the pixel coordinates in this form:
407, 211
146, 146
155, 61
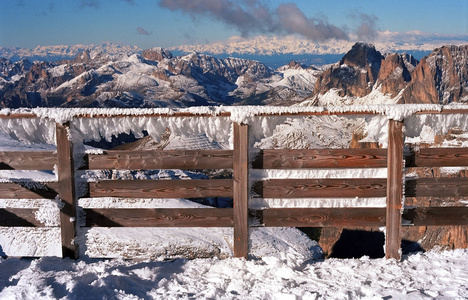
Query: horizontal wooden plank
29, 190
320, 158
321, 188
436, 216
439, 157
323, 217
159, 217
19, 217
196, 188
161, 159
27, 160
437, 187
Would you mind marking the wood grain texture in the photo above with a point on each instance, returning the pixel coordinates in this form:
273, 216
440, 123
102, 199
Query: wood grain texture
440, 157
320, 158
29, 190
320, 188
66, 179
19, 217
27, 160
159, 217
437, 187
195, 188
161, 159
436, 216
323, 217
394, 189
241, 189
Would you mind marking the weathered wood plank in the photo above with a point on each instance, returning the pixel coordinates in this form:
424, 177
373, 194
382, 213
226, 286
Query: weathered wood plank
241, 189
66, 179
437, 187
29, 190
320, 158
321, 188
436, 216
159, 217
19, 217
196, 188
27, 160
441, 157
394, 189
323, 217
161, 159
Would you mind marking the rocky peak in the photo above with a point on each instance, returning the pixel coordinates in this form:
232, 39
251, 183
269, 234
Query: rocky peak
82, 57
362, 55
440, 78
295, 65
156, 54
354, 75
395, 72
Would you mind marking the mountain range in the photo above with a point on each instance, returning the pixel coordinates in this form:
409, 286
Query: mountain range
158, 78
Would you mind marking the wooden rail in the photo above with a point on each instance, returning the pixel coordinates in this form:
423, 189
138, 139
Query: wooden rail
237, 188
160, 159
320, 158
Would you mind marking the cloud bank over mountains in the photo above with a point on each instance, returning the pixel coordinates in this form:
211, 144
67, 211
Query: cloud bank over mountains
385, 41
255, 17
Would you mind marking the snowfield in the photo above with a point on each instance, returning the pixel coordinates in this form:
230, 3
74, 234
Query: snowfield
431, 275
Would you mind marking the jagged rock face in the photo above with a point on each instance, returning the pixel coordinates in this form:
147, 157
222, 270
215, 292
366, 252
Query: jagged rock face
41, 77
154, 79
355, 74
395, 73
8, 69
156, 54
440, 78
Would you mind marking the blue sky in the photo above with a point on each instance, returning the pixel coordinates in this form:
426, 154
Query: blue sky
166, 23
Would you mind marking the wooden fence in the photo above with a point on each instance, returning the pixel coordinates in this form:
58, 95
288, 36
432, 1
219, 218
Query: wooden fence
237, 188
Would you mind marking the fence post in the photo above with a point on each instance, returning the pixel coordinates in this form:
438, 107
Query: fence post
241, 189
394, 189
66, 179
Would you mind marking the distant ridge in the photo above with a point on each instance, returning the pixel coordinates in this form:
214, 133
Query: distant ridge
158, 78
60, 52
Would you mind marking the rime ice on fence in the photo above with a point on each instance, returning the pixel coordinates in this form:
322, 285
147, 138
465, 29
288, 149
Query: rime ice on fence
264, 123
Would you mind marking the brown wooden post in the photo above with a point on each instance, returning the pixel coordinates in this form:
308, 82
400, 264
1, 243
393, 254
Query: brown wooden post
66, 179
394, 189
241, 189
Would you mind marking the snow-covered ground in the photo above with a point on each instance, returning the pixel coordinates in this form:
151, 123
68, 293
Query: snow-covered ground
432, 275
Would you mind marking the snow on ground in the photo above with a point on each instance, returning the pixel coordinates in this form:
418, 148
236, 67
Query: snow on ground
431, 275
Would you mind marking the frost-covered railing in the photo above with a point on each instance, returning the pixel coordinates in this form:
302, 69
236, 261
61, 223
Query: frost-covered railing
240, 217
63, 188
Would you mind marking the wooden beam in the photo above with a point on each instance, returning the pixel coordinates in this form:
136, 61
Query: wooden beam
436, 216
19, 217
161, 159
440, 157
27, 160
241, 189
29, 190
320, 158
66, 179
195, 188
321, 188
394, 189
323, 217
437, 187
159, 217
